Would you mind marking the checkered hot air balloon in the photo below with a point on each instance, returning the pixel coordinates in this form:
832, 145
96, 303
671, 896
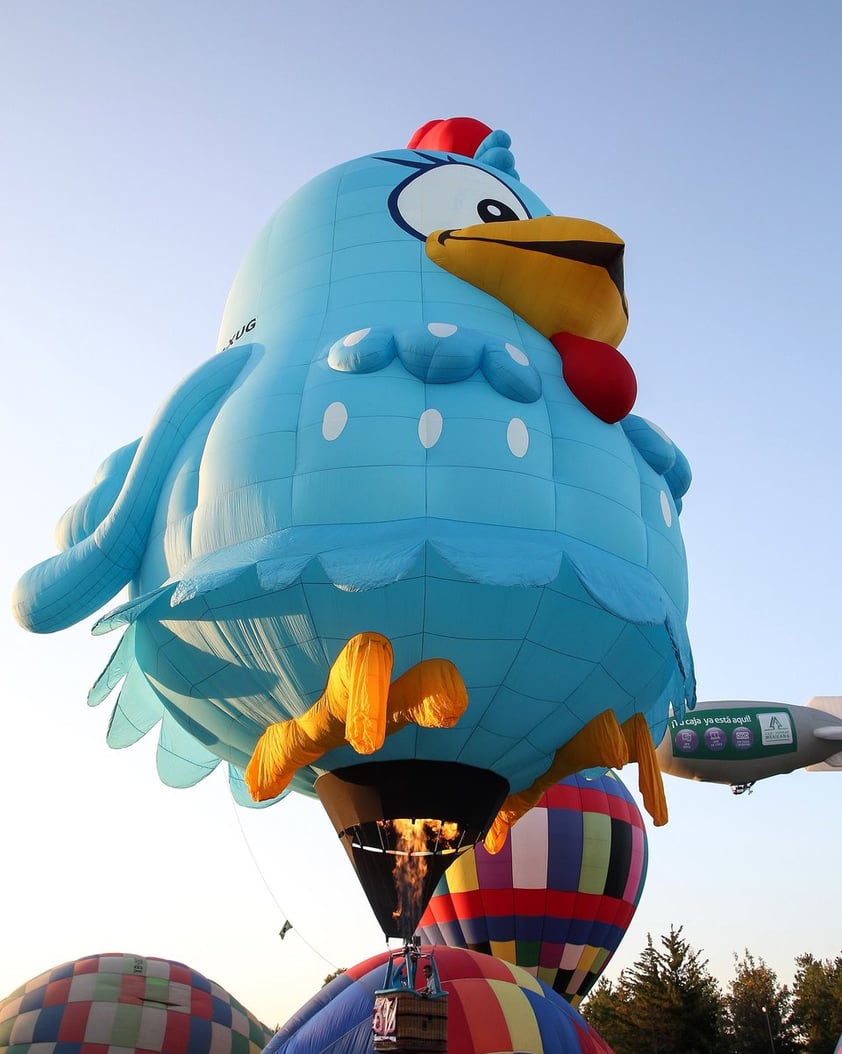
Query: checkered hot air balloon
559, 897
126, 1004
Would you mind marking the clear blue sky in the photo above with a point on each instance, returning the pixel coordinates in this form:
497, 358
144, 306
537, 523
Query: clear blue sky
145, 144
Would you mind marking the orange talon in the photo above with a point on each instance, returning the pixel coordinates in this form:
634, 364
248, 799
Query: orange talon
363, 690
358, 707
431, 694
600, 742
649, 779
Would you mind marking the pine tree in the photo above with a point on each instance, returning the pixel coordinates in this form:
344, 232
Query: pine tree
817, 1003
759, 1010
667, 1002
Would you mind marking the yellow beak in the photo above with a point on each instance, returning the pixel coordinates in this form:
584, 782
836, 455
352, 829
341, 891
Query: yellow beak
561, 275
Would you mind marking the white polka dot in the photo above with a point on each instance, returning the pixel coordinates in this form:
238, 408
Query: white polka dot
517, 354
517, 437
441, 329
429, 428
356, 337
666, 511
334, 420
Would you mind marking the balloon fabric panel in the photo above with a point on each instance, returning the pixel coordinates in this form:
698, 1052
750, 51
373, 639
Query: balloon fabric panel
529, 870
565, 828
596, 849
637, 868
483, 1021
619, 860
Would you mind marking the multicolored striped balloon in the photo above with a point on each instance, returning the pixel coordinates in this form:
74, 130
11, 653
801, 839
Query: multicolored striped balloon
560, 895
114, 1003
494, 1007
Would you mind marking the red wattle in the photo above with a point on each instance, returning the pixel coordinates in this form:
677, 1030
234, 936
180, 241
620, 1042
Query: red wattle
599, 376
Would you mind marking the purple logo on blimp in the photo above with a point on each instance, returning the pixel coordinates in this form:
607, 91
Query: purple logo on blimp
686, 740
715, 739
742, 738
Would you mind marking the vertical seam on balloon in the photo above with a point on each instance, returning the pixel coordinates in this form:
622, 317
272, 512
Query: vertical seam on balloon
321, 339
503, 684
545, 805
327, 308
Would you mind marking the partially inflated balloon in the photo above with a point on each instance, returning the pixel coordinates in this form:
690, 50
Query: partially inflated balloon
559, 897
492, 1007
126, 1004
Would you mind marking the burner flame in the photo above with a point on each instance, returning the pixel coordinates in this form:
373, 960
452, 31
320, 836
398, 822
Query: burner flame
414, 841
377, 808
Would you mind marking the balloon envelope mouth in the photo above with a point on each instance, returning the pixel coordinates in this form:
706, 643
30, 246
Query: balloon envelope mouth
403, 823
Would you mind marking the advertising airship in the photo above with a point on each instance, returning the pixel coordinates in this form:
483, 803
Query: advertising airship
740, 742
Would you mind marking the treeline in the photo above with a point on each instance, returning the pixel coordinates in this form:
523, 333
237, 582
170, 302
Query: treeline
668, 1002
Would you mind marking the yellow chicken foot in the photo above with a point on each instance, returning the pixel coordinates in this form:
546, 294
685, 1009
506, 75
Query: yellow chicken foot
358, 707
649, 780
600, 742
431, 694
357, 690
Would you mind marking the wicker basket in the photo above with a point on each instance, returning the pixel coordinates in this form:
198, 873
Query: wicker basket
407, 1021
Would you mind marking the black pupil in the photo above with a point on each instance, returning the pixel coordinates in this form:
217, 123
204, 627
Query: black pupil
492, 211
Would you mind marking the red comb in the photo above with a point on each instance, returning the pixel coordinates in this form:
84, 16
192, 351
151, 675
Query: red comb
456, 135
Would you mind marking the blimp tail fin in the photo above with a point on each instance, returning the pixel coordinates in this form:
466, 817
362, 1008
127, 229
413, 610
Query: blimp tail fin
831, 764
832, 705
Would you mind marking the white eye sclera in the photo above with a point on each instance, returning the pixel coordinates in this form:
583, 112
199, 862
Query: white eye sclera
451, 196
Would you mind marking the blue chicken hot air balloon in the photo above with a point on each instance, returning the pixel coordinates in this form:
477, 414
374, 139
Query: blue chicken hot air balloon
403, 515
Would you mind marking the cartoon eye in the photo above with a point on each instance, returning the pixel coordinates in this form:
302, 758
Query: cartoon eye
491, 211
451, 196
